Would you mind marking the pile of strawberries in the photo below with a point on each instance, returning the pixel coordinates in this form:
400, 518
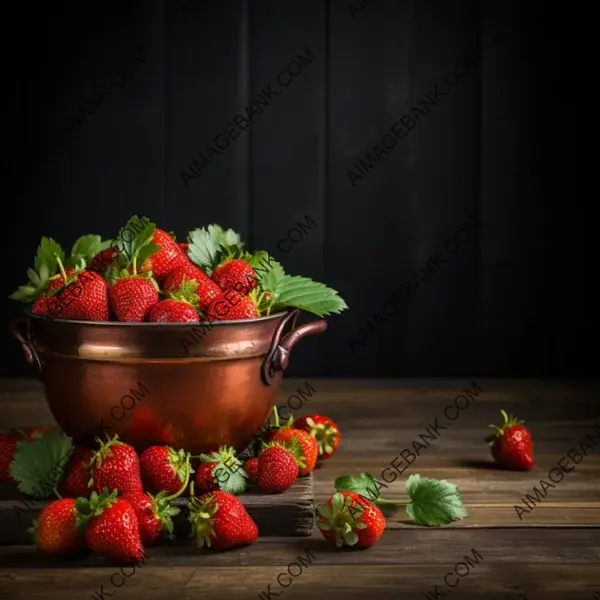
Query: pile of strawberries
116, 503
144, 274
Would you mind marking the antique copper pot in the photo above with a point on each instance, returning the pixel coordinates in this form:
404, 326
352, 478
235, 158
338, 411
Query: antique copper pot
189, 386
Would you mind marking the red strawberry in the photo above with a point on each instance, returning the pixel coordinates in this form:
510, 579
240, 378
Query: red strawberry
77, 478
34, 431
348, 519
325, 432
154, 515
8, 445
103, 260
189, 278
205, 478
111, 527
512, 445
233, 307
251, 468
164, 468
173, 311
235, 274
132, 298
167, 259
115, 466
219, 521
54, 531
84, 297
40, 306
277, 469
305, 449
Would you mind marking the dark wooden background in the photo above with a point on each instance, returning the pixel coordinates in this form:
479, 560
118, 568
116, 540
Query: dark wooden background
516, 298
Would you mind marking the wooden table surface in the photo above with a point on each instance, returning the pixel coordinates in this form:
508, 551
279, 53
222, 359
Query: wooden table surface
551, 552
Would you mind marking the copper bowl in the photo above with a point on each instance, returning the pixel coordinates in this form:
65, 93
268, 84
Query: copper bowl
189, 386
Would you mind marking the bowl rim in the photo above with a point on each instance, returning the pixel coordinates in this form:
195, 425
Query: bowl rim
215, 323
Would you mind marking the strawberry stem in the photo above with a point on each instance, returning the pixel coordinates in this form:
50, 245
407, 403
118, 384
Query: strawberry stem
56, 492
185, 482
61, 267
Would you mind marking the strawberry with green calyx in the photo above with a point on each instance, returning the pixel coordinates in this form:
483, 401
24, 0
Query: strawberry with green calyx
277, 468
45, 267
55, 532
208, 244
302, 445
348, 519
166, 259
433, 502
173, 310
155, 512
111, 526
133, 294
115, 466
83, 295
164, 468
219, 521
512, 444
221, 470
325, 432
39, 465
192, 281
235, 274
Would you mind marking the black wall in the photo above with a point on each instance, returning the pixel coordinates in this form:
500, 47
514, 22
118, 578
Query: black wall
513, 300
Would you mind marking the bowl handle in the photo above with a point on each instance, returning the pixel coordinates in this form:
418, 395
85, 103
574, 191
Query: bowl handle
278, 356
20, 329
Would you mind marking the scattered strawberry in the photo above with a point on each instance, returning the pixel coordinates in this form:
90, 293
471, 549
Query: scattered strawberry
111, 526
8, 445
251, 468
277, 469
173, 311
77, 477
205, 478
115, 466
325, 432
233, 307
221, 470
164, 469
133, 297
348, 519
306, 452
220, 521
154, 515
54, 531
189, 278
512, 445
235, 274
166, 259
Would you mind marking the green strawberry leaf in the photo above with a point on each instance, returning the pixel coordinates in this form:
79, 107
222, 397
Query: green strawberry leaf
268, 270
433, 502
39, 466
83, 251
363, 484
134, 241
228, 471
208, 244
303, 293
45, 266
46, 255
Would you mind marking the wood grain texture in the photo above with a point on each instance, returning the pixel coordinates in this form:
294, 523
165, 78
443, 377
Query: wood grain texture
552, 552
289, 514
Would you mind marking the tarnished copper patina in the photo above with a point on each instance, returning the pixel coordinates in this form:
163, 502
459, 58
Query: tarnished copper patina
190, 386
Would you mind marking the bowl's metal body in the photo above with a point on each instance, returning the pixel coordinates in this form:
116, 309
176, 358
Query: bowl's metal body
189, 386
